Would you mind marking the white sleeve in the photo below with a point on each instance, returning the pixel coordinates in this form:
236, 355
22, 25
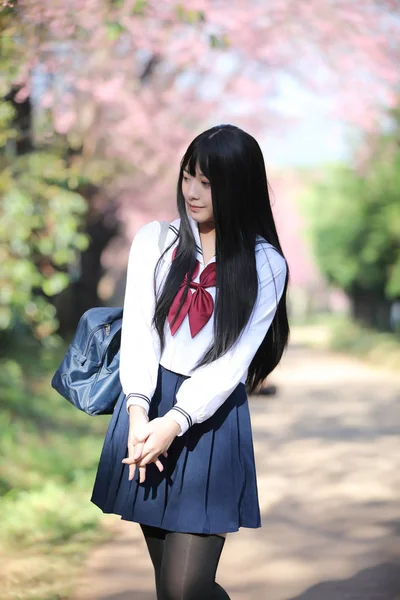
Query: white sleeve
140, 346
210, 385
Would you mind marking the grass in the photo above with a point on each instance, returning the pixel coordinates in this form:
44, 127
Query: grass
48, 457
339, 333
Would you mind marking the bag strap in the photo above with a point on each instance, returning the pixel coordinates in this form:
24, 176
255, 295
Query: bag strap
163, 235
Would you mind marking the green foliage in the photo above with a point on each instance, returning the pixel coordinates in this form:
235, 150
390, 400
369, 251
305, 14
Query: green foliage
189, 15
42, 211
354, 225
48, 514
221, 41
48, 456
41, 431
139, 7
380, 348
114, 30
340, 333
40, 239
7, 132
11, 50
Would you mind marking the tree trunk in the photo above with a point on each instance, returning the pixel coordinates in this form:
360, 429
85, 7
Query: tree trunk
22, 122
101, 226
371, 309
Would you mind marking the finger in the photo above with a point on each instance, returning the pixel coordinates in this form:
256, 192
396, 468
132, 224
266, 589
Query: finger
142, 474
130, 461
146, 459
132, 451
137, 451
147, 451
132, 469
159, 465
149, 458
134, 454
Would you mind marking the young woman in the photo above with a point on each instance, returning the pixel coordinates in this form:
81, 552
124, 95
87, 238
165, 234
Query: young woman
204, 321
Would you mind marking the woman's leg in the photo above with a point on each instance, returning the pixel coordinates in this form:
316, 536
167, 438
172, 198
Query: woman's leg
189, 566
155, 539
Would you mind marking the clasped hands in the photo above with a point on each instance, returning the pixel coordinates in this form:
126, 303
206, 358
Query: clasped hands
148, 440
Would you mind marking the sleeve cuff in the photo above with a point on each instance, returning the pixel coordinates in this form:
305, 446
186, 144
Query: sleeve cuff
181, 417
138, 400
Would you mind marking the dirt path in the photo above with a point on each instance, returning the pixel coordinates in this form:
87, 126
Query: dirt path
328, 463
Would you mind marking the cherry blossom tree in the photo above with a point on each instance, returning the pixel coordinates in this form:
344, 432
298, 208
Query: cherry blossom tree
130, 78
130, 82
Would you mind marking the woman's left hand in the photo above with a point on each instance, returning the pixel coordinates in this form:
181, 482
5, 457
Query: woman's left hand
158, 435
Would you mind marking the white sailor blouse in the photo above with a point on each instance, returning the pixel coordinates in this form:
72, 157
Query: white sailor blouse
210, 385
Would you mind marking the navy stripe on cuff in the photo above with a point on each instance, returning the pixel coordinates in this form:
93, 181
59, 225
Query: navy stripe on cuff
141, 396
184, 413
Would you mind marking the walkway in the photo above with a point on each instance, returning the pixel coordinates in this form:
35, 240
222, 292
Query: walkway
328, 462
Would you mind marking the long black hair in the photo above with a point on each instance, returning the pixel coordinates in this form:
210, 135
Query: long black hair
232, 161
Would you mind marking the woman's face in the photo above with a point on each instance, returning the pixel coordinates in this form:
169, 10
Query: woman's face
197, 193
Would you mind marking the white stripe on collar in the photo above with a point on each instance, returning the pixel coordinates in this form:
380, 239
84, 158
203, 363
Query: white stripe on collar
175, 225
196, 233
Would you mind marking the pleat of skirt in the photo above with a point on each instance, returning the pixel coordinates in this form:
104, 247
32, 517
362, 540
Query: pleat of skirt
208, 484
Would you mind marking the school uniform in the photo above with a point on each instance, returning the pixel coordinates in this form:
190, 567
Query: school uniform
208, 484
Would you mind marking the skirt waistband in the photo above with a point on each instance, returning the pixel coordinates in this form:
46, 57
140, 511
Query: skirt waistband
161, 367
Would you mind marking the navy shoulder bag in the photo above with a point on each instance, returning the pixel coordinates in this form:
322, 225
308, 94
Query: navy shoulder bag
88, 375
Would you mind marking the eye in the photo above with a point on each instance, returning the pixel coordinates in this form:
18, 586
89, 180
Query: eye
185, 178
205, 183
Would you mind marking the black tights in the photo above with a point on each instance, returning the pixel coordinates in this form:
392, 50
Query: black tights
185, 564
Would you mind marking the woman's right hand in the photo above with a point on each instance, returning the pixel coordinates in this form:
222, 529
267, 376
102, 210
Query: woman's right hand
138, 419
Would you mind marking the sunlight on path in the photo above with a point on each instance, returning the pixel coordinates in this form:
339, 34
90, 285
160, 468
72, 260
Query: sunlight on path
328, 464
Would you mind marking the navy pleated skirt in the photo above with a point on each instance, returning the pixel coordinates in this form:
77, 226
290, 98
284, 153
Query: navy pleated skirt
208, 484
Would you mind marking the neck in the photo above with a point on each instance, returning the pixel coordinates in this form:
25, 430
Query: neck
207, 240
206, 227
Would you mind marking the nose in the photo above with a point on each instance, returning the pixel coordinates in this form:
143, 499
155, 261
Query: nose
193, 190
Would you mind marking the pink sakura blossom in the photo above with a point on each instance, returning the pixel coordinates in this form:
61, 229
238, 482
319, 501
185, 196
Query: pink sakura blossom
138, 85
22, 94
63, 121
47, 99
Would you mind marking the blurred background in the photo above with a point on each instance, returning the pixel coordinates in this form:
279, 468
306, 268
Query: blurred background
99, 99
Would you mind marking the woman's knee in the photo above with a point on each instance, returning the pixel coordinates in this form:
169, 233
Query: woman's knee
189, 566
173, 588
